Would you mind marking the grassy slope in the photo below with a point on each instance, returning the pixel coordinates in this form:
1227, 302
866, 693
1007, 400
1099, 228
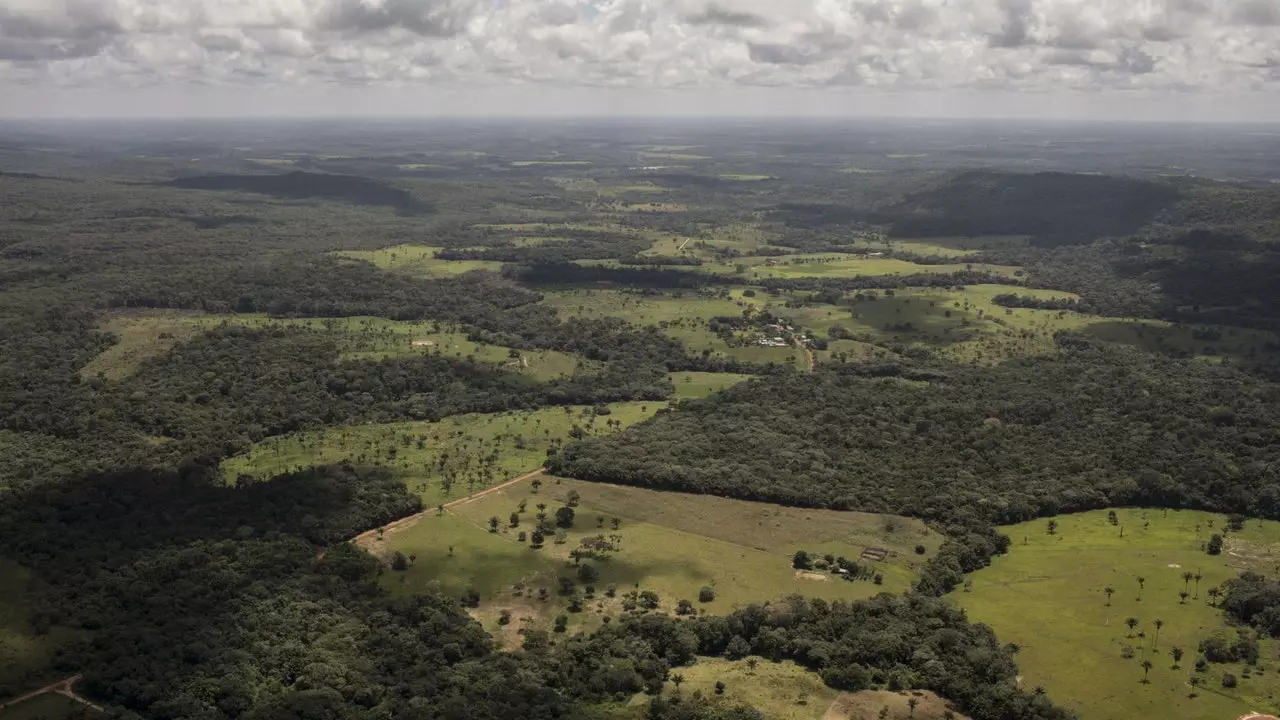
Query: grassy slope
418, 260
672, 543
520, 439
148, 334
702, 384
1046, 595
782, 691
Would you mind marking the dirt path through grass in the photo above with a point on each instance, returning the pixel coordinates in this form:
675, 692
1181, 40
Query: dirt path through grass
365, 539
63, 687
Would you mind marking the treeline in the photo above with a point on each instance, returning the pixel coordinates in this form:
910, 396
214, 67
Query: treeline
214, 602
1253, 599
1013, 300
298, 184
1089, 427
216, 394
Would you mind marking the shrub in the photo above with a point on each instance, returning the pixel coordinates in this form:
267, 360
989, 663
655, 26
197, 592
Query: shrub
920, 550
706, 594
1229, 680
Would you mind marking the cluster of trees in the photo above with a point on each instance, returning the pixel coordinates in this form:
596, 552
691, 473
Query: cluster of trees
1253, 599
1086, 428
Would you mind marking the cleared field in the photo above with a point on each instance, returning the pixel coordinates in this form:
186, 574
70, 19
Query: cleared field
418, 260
669, 543
741, 177
702, 384
1047, 596
147, 334
782, 690
683, 316
445, 460
551, 163
25, 654
840, 265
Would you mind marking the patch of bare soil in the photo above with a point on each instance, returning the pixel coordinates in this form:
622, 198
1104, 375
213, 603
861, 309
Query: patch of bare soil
866, 705
424, 343
806, 575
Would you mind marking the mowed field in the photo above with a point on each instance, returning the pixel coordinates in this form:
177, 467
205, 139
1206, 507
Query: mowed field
673, 544
445, 460
146, 334
1047, 596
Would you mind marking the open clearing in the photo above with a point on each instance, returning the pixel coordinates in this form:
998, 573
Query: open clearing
49, 706
782, 690
418, 260
701, 384
670, 543
1047, 596
146, 334
445, 460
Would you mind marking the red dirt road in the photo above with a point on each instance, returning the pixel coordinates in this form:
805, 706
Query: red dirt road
63, 687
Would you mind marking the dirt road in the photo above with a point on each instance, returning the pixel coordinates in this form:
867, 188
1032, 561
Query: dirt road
365, 539
63, 687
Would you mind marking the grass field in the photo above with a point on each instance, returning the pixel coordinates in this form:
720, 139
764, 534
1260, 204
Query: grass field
146, 334
25, 656
49, 706
682, 316
550, 163
1047, 596
670, 543
782, 691
440, 461
840, 265
702, 384
418, 260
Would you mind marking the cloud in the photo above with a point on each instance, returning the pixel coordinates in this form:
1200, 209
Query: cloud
1210, 46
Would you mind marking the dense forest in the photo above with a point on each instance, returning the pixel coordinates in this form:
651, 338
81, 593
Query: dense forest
1089, 427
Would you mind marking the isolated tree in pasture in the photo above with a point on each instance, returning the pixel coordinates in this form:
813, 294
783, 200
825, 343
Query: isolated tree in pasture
1132, 622
515, 519
1159, 624
912, 702
1176, 653
564, 517
1186, 580
399, 561
1213, 594
1197, 577
1109, 591
572, 498
1182, 597
1214, 546
493, 524
676, 679
1142, 583
1146, 668
751, 664
537, 483
1053, 527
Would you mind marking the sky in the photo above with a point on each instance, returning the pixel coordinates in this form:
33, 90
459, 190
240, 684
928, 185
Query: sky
1073, 59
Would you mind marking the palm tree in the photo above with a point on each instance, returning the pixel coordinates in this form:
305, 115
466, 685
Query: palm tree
1176, 653
1183, 597
1146, 668
1213, 593
676, 679
912, 702
1159, 624
1186, 579
751, 664
1197, 577
1109, 592
1142, 583
1132, 622
1038, 691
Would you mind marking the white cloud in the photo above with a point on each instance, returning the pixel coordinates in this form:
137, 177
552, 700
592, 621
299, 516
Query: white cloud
1209, 46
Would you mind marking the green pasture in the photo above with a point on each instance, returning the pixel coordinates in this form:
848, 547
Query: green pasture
744, 177
1047, 596
681, 315
781, 690
25, 654
146, 334
418, 260
701, 384
837, 265
671, 543
445, 460
550, 163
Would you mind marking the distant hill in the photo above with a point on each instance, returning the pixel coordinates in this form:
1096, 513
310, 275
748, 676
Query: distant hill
1053, 207
300, 185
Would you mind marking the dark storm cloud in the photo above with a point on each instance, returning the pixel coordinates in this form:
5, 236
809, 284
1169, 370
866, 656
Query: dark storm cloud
1015, 31
716, 15
432, 18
